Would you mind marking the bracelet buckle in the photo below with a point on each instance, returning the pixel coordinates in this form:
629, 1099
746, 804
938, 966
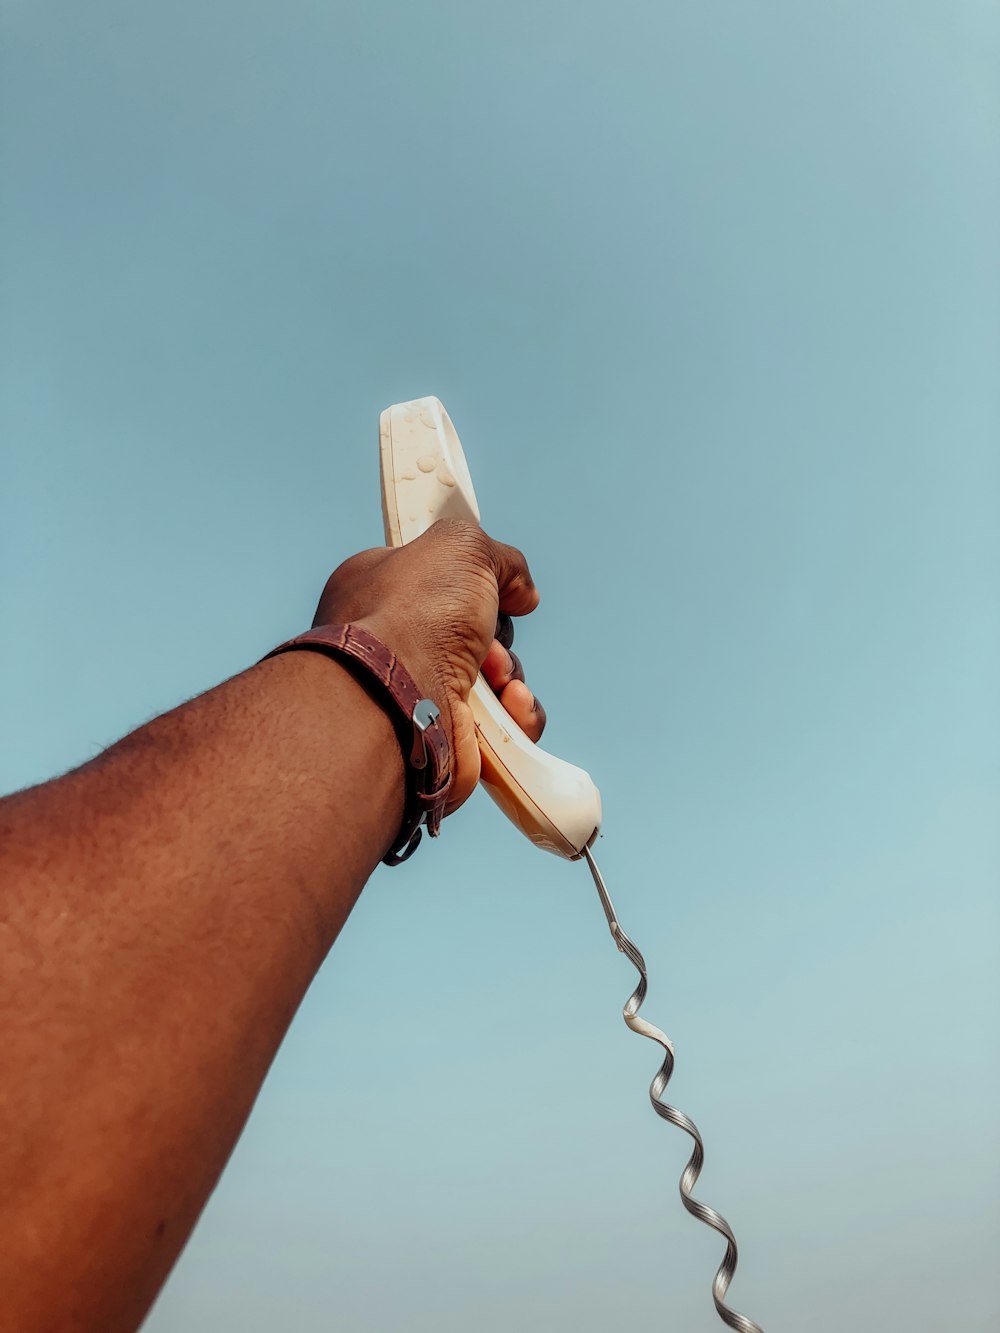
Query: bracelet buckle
425, 714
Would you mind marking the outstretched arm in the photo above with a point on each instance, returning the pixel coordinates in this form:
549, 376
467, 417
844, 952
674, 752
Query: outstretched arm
164, 908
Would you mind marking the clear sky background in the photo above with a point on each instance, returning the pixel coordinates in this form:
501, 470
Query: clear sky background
712, 293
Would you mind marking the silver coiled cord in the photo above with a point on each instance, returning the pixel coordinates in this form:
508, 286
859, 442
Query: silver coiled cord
691, 1172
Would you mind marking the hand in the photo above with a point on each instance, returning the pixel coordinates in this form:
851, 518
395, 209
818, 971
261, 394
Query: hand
436, 603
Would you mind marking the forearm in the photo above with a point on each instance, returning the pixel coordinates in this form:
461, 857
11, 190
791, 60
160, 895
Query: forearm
165, 909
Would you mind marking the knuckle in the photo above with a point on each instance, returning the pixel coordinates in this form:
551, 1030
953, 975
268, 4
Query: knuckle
457, 530
356, 566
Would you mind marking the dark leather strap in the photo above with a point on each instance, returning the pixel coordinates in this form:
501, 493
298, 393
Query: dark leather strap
426, 751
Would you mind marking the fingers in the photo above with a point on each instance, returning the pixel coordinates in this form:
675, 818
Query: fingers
524, 709
500, 667
504, 674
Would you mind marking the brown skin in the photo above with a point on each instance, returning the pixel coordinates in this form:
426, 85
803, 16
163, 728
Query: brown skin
164, 908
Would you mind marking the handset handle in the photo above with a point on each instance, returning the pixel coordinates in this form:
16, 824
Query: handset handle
425, 477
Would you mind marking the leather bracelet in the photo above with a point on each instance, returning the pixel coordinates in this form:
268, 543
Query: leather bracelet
417, 721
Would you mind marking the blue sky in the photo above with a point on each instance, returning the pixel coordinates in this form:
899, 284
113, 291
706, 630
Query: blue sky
712, 293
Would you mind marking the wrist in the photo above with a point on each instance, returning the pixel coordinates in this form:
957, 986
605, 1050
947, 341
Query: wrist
339, 727
424, 741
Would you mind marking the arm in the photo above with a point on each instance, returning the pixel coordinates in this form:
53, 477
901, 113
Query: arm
164, 908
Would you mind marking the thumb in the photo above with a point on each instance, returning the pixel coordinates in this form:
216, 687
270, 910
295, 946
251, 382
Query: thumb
515, 586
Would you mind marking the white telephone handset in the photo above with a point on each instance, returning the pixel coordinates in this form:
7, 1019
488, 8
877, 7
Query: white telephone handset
425, 477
